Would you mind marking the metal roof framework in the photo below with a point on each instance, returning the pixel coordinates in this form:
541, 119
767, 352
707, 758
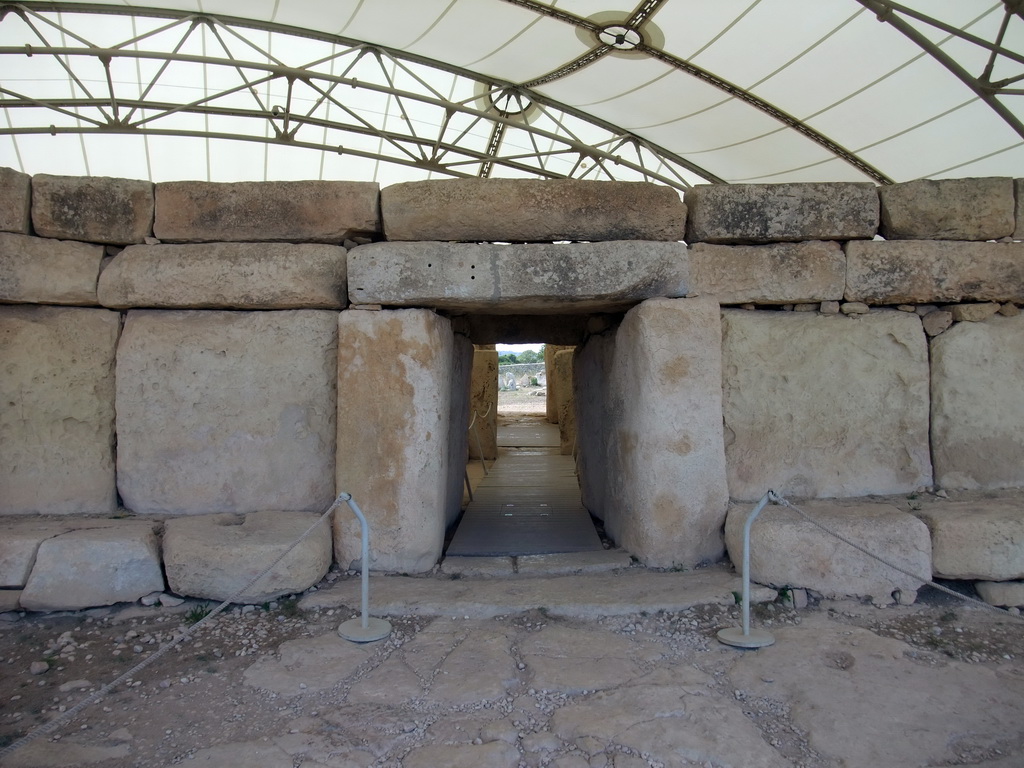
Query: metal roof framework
146, 86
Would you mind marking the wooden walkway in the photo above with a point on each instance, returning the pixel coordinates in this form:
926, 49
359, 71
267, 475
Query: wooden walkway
529, 503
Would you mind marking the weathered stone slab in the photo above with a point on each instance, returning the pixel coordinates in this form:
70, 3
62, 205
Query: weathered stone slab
780, 273
35, 270
981, 539
276, 211
492, 754
19, 542
531, 210
95, 209
226, 411
565, 401
57, 426
977, 404
395, 372
948, 209
529, 278
215, 556
764, 213
461, 361
825, 406
95, 566
573, 562
1007, 593
933, 271
651, 428
15, 201
788, 551
483, 401
226, 276
551, 389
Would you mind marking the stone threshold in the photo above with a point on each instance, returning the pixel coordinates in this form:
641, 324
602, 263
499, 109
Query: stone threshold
557, 564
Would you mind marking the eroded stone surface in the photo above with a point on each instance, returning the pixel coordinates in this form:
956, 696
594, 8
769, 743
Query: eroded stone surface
650, 426
977, 539
934, 271
529, 278
763, 213
531, 210
565, 400
780, 273
35, 270
948, 209
977, 404
226, 411
787, 550
277, 211
95, 209
308, 665
18, 546
484, 403
215, 556
15, 201
825, 406
95, 566
57, 426
226, 276
395, 372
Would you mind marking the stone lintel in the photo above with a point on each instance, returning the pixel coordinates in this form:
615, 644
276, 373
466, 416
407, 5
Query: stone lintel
38, 270
565, 330
778, 273
226, 276
15, 201
275, 211
531, 210
924, 272
763, 213
948, 209
517, 279
94, 209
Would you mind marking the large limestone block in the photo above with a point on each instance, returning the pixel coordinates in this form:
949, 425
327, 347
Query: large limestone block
978, 404
932, 271
95, 566
764, 213
277, 211
527, 278
226, 276
461, 362
20, 539
780, 273
57, 419
982, 539
658, 474
15, 201
395, 371
948, 209
226, 411
531, 210
565, 402
215, 556
35, 270
551, 389
788, 551
484, 403
92, 208
1008, 593
1018, 194
825, 406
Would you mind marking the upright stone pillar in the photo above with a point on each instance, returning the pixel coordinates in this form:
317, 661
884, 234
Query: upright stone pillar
462, 373
565, 400
483, 398
395, 372
652, 444
550, 350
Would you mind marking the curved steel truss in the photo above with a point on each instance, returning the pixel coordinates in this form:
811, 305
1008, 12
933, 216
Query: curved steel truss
410, 112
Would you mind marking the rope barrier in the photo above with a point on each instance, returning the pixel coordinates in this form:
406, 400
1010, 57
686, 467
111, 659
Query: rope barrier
92, 698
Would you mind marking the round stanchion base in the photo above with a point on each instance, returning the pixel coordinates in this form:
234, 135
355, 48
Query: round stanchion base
734, 636
375, 629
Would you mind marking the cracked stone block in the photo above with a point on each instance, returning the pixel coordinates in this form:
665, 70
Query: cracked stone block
977, 404
788, 551
57, 423
226, 411
94, 567
15, 201
275, 211
948, 209
37, 270
981, 539
531, 210
226, 276
215, 556
94, 209
825, 406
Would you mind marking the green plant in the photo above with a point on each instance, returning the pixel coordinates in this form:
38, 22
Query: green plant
197, 613
785, 595
738, 597
289, 606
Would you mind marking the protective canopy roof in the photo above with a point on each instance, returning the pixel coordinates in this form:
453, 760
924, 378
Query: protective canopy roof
676, 91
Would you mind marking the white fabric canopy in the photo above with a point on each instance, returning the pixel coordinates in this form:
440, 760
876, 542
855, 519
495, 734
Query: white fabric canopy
676, 91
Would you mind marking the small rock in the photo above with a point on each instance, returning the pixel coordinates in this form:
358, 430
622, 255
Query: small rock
170, 601
829, 308
1009, 310
38, 667
75, 685
805, 307
974, 313
151, 599
936, 322
854, 308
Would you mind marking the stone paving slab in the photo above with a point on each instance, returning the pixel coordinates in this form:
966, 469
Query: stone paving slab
588, 596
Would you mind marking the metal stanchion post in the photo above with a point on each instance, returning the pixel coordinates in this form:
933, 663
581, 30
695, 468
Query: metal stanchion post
748, 638
365, 629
